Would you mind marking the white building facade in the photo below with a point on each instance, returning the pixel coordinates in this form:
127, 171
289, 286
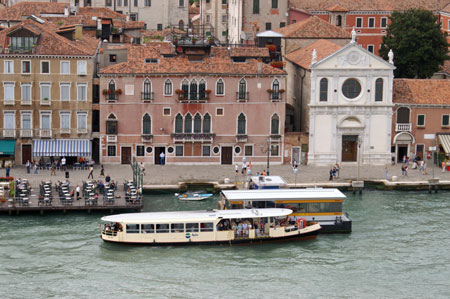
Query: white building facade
350, 108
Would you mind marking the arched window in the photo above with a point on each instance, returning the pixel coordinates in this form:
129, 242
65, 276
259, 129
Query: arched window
275, 90
185, 88
181, 25
207, 123
111, 125
178, 123
188, 123
379, 90
197, 123
275, 125
201, 90
339, 21
242, 94
146, 124
323, 97
168, 87
147, 91
242, 124
111, 90
220, 88
403, 115
193, 90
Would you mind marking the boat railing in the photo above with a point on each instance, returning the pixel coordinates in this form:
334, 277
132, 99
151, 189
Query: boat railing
108, 232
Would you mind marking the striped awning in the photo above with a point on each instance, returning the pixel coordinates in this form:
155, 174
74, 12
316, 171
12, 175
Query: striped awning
61, 147
445, 141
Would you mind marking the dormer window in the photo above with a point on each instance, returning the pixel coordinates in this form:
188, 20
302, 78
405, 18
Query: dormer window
151, 60
20, 43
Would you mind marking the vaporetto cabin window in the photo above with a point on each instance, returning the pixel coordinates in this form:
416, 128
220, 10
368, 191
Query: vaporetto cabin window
192, 227
132, 228
162, 228
148, 228
323, 90
206, 226
177, 228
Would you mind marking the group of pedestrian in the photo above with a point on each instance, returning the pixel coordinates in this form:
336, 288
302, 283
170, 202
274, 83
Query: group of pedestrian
246, 167
334, 172
32, 165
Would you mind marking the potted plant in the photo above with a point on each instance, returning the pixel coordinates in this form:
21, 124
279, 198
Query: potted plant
208, 91
178, 91
281, 90
110, 91
118, 91
45, 99
270, 90
105, 92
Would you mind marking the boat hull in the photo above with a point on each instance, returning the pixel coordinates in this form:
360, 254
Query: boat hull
240, 241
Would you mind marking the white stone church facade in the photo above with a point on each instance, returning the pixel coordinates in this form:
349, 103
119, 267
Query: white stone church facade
350, 108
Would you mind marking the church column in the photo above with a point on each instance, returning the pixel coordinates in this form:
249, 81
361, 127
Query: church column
335, 87
312, 134
334, 145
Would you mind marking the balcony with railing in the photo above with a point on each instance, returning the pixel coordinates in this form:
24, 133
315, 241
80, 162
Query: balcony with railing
242, 96
64, 131
241, 138
193, 137
147, 137
275, 96
405, 127
147, 96
193, 96
26, 133
45, 133
9, 133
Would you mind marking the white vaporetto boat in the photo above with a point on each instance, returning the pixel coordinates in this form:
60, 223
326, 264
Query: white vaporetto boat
207, 227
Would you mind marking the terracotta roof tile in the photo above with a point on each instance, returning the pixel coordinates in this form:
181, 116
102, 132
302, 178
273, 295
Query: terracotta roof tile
421, 91
371, 5
313, 27
337, 8
303, 56
249, 52
217, 64
85, 15
50, 42
17, 11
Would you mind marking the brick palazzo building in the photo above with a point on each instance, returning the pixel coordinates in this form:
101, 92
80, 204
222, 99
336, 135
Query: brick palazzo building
46, 91
195, 103
370, 18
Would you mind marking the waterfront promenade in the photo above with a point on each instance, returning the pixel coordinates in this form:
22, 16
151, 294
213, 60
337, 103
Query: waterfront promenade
158, 176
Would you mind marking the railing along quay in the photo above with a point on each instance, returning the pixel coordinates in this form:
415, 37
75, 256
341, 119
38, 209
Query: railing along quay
34, 204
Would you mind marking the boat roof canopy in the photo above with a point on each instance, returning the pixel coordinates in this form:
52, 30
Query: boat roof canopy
185, 216
282, 194
269, 181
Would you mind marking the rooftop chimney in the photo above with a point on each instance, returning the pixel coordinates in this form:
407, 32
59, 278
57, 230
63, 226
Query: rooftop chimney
66, 12
78, 33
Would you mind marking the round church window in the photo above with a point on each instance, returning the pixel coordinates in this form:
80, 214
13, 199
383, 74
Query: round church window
351, 88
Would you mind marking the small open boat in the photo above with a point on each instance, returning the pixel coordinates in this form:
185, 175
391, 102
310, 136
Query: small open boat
194, 195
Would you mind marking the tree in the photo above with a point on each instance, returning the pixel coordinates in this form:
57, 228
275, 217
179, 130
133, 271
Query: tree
419, 45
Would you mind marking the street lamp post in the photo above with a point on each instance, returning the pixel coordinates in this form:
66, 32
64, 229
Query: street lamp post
269, 145
359, 154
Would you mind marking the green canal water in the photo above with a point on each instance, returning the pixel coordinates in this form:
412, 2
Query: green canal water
399, 248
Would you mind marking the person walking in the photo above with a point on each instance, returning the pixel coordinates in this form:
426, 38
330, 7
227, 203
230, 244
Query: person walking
28, 166
91, 172
294, 164
35, 167
337, 167
63, 164
142, 168
77, 190
53, 169
162, 158
102, 171
406, 170
386, 173
244, 167
421, 167
331, 174
8, 170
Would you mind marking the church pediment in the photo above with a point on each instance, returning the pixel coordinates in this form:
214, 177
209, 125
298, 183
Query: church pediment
352, 56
